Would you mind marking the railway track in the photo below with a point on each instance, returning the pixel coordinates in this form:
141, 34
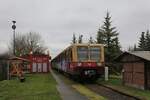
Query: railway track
110, 93
107, 92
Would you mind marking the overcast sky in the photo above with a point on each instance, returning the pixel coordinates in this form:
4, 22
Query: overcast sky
57, 20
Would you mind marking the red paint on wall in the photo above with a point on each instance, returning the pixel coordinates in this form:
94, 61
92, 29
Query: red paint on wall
40, 63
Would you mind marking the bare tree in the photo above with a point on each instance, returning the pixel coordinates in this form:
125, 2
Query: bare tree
25, 43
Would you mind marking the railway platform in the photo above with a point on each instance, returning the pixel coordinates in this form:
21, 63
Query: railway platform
66, 91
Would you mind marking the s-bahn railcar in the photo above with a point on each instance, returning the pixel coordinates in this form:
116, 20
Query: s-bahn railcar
81, 61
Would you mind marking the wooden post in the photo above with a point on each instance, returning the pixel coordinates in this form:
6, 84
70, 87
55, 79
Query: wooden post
106, 73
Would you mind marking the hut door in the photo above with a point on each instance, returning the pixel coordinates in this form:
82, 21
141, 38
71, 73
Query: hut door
128, 73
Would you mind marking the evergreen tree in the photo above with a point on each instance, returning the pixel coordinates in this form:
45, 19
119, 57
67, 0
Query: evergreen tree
100, 37
135, 48
80, 39
142, 42
74, 40
130, 48
108, 35
116, 43
147, 39
91, 41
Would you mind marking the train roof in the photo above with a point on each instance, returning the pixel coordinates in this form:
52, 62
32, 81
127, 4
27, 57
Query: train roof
86, 44
78, 44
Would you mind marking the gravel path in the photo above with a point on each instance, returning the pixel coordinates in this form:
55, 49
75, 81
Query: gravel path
108, 93
66, 91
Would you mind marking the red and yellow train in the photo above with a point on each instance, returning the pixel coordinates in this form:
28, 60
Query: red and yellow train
81, 61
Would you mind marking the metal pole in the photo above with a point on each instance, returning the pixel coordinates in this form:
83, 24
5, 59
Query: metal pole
8, 73
14, 27
14, 41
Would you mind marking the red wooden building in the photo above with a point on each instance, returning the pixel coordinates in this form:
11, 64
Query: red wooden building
39, 63
136, 68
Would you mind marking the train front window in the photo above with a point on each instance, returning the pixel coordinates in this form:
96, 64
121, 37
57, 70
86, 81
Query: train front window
82, 53
95, 53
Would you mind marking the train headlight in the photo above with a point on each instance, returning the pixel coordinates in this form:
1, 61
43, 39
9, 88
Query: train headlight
99, 64
79, 64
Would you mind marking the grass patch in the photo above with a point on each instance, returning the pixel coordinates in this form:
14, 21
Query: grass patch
116, 83
36, 87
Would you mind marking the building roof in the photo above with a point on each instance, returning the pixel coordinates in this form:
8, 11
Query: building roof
141, 54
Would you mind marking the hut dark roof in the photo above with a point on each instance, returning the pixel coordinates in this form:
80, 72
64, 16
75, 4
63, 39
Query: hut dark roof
141, 54
18, 58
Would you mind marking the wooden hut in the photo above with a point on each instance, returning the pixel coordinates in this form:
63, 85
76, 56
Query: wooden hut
136, 68
17, 66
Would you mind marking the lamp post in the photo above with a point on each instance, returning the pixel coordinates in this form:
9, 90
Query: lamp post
14, 27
